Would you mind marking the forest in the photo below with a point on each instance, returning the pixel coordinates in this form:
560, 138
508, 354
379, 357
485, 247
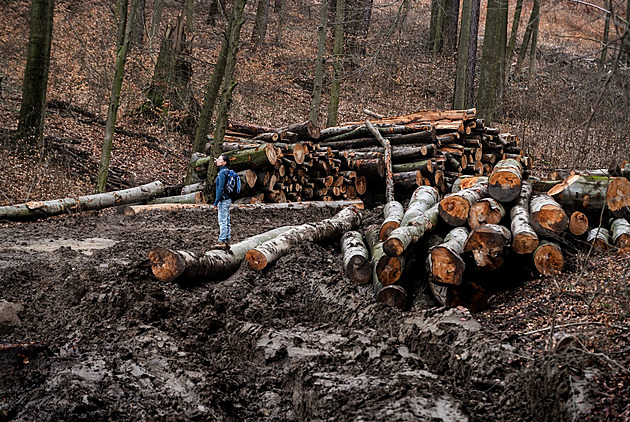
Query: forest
433, 224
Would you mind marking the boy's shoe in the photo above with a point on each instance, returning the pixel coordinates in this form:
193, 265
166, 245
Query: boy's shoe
222, 245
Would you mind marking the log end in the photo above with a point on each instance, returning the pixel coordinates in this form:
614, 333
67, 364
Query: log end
394, 296
389, 269
484, 212
525, 243
446, 266
548, 259
166, 265
256, 260
360, 184
578, 223
454, 210
618, 196
359, 270
393, 247
386, 229
272, 156
551, 218
623, 243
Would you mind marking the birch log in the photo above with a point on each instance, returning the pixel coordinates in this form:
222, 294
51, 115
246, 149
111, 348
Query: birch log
548, 258
546, 216
269, 252
356, 258
487, 244
599, 237
400, 239
393, 213
455, 207
620, 229
446, 265
524, 238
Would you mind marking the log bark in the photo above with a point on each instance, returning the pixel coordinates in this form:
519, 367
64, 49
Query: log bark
393, 295
504, 183
464, 182
305, 130
578, 223
485, 211
425, 166
387, 159
269, 252
168, 265
455, 207
374, 167
423, 198
487, 244
408, 179
400, 239
524, 238
446, 265
586, 193
620, 229
42, 209
194, 187
546, 216
393, 212
548, 258
261, 157
189, 198
356, 258
599, 238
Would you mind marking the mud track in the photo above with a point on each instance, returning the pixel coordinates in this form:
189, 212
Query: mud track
293, 343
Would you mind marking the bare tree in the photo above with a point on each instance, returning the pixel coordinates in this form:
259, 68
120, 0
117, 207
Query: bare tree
319, 62
260, 26
333, 105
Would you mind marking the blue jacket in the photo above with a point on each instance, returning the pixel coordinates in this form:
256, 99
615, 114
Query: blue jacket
220, 183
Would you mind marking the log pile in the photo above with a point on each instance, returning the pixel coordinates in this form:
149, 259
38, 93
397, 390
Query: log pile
486, 224
303, 162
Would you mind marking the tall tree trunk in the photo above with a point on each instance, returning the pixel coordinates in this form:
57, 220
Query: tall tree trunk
190, 15
157, 16
316, 97
121, 57
604, 53
281, 10
333, 106
260, 26
436, 31
492, 59
516, 21
459, 97
527, 37
532, 52
450, 25
213, 12
226, 93
472, 53
33, 107
138, 25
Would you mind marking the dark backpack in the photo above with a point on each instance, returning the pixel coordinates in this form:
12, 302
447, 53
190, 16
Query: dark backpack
232, 183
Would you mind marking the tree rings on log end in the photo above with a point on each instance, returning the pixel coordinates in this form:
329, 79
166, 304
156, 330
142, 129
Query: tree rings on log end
548, 259
270, 151
552, 218
618, 196
393, 247
504, 186
360, 184
446, 267
485, 211
578, 223
387, 228
166, 265
394, 296
454, 210
256, 259
389, 269
525, 243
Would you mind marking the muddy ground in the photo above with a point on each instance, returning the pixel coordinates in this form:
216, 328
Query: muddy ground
295, 342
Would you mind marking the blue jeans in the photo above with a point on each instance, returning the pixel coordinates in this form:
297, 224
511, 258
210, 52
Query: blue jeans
225, 225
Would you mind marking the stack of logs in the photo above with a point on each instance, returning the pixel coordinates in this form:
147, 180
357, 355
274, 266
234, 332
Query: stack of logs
303, 162
484, 222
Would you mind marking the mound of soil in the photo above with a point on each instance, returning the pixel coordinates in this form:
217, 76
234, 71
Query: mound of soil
294, 342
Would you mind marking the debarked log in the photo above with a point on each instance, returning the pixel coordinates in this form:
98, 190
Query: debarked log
356, 258
167, 264
269, 252
42, 209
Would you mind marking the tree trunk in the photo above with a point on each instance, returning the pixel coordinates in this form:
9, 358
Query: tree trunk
548, 258
450, 25
156, 17
269, 252
260, 25
524, 238
446, 265
393, 213
582, 193
504, 183
124, 34
516, 21
260, 157
168, 265
485, 211
532, 52
188, 198
488, 244
138, 24
459, 96
281, 10
33, 106
455, 207
546, 216
42, 209
337, 57
319, 63
400, 238
422, 199
620, 229
356, 258
578, 223
387, 159
599, 238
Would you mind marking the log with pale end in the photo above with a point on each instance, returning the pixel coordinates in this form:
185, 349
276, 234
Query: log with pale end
599, 238
393, 213
400, 239
620, 235
356, 258
269, 252
524, 238
168, 265
504, 182
547, 217
578, 223
548, 258
485, 211
618, 197
252, 158
487, 244
42, 209
389, 269
446, 265
455, 207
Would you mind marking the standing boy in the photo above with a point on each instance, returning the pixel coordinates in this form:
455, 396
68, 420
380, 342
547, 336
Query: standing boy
222, 202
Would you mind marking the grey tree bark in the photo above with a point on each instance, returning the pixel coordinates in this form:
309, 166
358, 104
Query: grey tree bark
333, 106
316, 97
260, 26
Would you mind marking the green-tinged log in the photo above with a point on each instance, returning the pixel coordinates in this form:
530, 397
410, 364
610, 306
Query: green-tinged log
546, 216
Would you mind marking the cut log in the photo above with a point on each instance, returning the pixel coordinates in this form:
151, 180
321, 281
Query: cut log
374, 167
393, 213
455, 207
548, 258
423, 198
425, 166
254, 158
356, 258
504, 183
446, 265
400, 239
524, 238
485, 211
167, 264
189, 198
620, 229
464, 182
408, 179
618, 197
578, 223
42, 209
599, 238
546, 216
581, 193
488, 244
389, 269
137, 209
387, 159
305, 130
269, 252
195, 187
248, 128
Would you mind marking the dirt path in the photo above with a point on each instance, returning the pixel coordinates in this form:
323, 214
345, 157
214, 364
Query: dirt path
295, 342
